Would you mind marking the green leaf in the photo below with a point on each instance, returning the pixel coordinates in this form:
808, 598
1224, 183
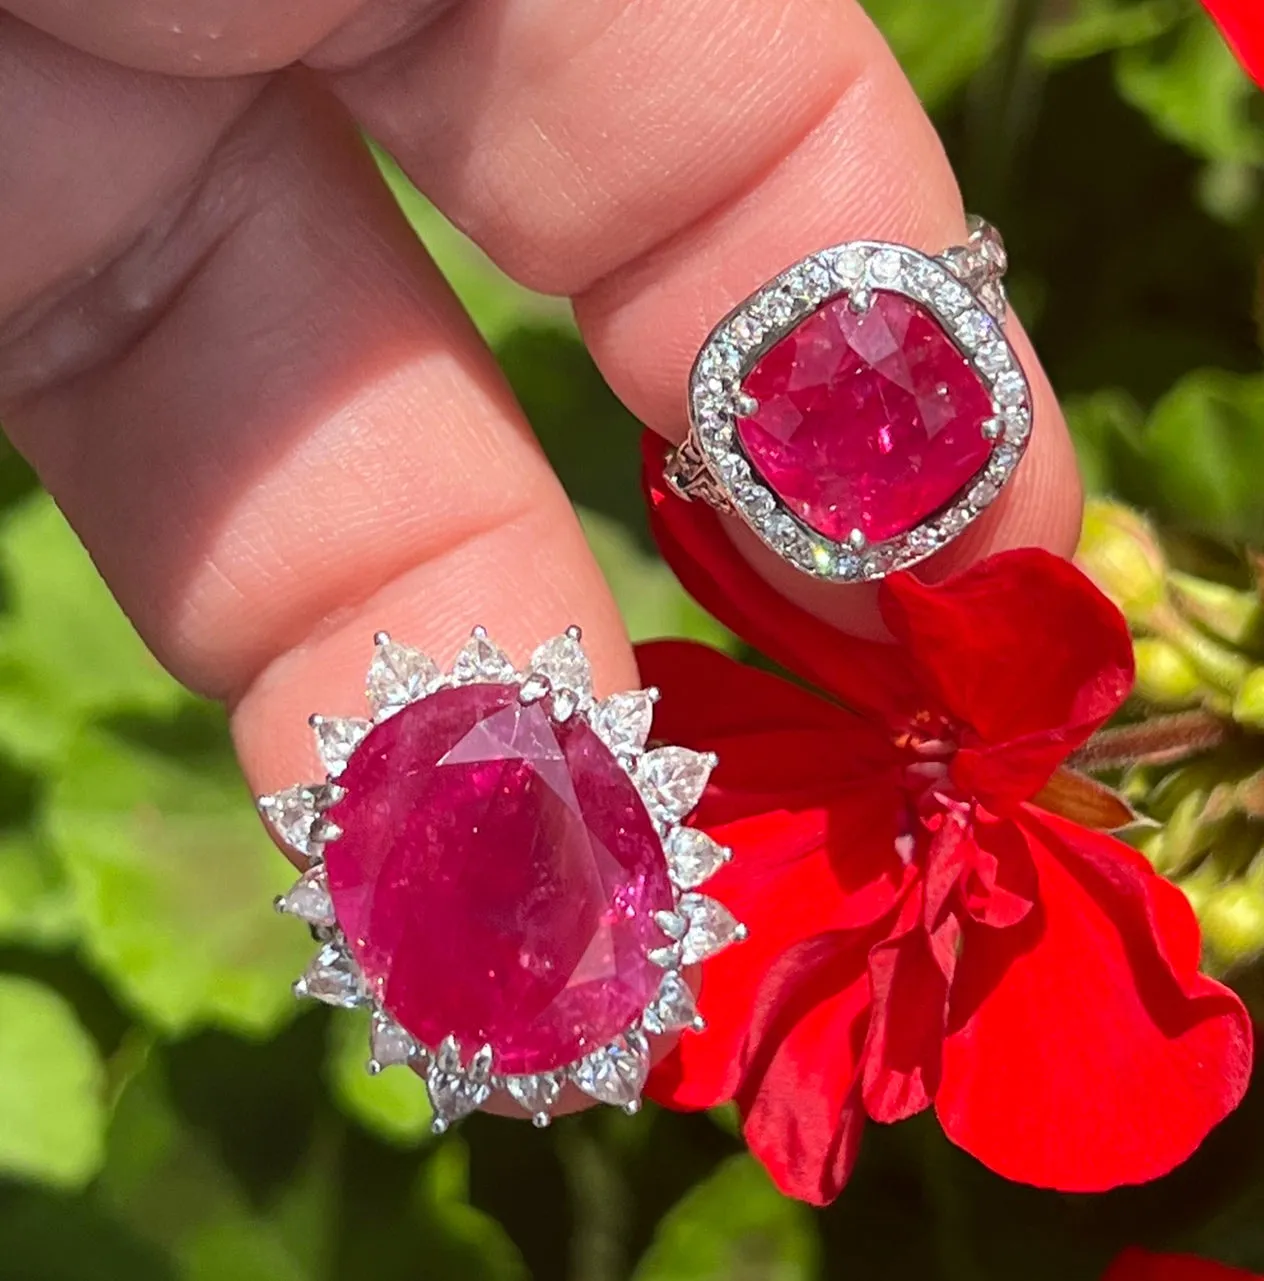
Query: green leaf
461, 1241
1091, 27
67, 653
1106, 429
1193, 91
393, 1105
58, 1238
36, 904
164, 1181
1203, 456
734, 1225
940, 45
174, 879
241, 1248
651, 600
52, 1110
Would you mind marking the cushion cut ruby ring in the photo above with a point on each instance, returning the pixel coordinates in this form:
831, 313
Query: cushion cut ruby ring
497, 869
860, 410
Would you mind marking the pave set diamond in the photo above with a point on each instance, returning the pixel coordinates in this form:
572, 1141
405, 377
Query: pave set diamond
862, 408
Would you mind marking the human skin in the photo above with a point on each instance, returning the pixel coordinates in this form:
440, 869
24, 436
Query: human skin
258, 403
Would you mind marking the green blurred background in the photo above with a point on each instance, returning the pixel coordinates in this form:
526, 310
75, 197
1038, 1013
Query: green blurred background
166, 1111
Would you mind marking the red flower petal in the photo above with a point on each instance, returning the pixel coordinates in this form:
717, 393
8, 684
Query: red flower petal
798, 1096
1025, 652
1242, 22
1000, 887
1085, 1050
694, 542
1140, 1265
784, 884
910, 974
779, 745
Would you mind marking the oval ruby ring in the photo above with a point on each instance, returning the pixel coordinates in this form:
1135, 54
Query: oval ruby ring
497, 868
860, 410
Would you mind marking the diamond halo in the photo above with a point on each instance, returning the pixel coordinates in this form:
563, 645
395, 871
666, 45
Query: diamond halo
668, 782
960, 290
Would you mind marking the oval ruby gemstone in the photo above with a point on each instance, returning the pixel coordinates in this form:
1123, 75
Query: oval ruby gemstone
497, 878
871, 422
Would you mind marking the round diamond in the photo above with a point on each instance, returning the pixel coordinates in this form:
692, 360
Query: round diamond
849, 264
993, 358
746, 331
497, 878
1011, 389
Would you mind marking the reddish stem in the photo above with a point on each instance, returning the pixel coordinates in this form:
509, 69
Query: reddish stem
1160, 741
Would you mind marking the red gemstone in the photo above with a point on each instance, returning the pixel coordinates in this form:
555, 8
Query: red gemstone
497, 878
869, 422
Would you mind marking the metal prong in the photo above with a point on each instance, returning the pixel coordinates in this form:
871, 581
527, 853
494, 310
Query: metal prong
481, 1064
563, 705
533, 689
856, 540
381, 638
746, 405
631, 1109
992, 429
373, 1067
438, 1126
653, 693
575, 632
541, 1120
479, 632
860, 300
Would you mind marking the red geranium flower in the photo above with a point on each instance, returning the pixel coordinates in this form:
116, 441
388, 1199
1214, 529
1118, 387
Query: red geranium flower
921, 933
1138, 1265
1242, 22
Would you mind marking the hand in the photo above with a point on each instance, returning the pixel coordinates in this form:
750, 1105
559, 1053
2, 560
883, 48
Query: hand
256, 400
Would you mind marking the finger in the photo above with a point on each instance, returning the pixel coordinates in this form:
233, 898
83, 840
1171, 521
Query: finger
210, 37
302, 440
227, 37
661, 162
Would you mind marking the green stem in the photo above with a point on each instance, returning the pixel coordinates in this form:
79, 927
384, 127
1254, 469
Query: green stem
1002, 105
599, 1202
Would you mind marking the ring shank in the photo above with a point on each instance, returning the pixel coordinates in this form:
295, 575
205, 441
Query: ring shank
980, 265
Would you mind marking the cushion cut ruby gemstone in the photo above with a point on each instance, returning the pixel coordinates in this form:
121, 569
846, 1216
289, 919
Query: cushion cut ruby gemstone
497, 878
869, 422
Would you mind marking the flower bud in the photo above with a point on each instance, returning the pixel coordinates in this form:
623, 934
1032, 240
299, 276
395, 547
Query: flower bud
1233, 923
1234, 846
1248, 702
1165, 675
1233, 615
1184, 836
1121, 554
1199, 887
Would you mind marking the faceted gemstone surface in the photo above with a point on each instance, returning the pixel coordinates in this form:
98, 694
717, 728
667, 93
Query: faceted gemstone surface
869, 422
497, 878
